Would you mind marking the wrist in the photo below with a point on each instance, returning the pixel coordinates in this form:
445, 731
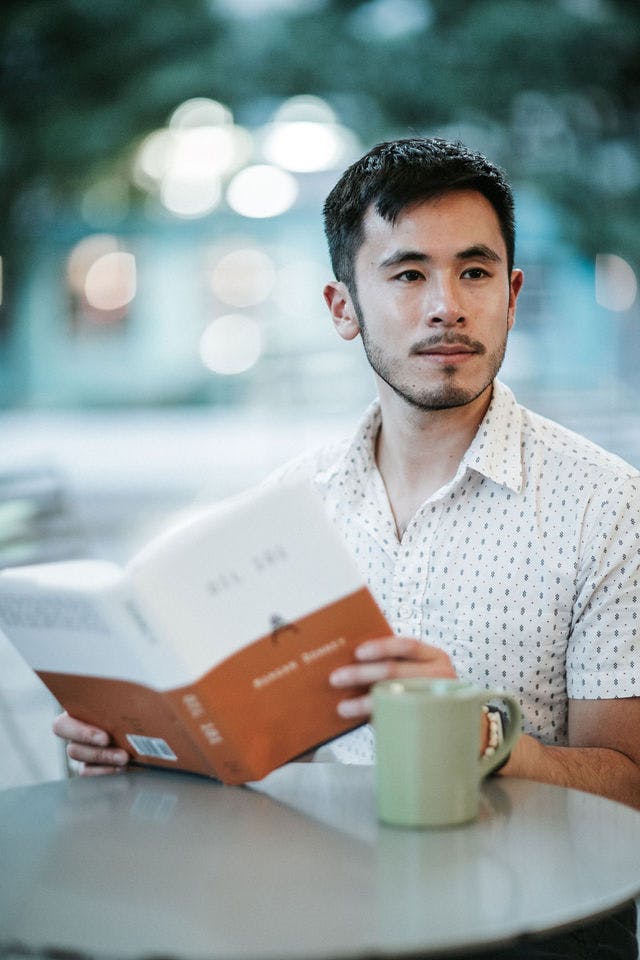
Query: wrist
494, 724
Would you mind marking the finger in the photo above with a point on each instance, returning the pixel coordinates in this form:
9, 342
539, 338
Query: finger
94, 770
102, 756
356, 675
71, 729
356, 707
364, 674
407, 648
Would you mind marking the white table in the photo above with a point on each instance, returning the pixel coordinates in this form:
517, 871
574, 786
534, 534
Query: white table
161, 863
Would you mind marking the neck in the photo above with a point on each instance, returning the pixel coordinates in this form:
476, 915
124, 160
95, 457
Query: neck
419, 451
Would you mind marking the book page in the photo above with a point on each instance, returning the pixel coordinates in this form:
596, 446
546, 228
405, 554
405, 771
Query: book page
241, 571
78, 617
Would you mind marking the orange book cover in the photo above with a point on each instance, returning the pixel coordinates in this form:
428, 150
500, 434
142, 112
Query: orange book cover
211, 650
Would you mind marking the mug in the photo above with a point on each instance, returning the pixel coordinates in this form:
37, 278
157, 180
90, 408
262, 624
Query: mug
428, 771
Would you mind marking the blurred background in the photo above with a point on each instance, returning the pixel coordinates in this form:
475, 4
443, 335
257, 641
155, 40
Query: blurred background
163, 165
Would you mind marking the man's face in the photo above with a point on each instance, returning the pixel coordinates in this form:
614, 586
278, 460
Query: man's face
435, 301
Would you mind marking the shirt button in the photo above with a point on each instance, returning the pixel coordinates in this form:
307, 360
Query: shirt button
404, 611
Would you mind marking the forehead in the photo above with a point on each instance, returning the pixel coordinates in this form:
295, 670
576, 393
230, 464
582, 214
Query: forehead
451, 221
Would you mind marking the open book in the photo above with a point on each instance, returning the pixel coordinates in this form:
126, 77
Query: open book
210, 651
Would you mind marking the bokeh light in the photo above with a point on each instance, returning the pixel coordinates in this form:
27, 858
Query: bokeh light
305, 146
305, 107
390, 19
214, 150
190, 193
151, 159
231, 344
84, 255
186, 163
243, 277
200, 112
616, 282
111, 281
202, 154
262, 191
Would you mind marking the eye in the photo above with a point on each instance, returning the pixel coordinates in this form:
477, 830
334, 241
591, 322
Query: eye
410, 276
475, 273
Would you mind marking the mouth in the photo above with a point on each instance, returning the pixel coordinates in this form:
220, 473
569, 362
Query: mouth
446, 352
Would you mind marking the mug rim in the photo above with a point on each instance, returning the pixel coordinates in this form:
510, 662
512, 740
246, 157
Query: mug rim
435, 686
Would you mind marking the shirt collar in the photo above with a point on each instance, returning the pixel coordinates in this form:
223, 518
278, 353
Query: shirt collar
495, 451
363, 447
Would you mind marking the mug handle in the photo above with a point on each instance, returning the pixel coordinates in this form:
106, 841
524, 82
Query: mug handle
511, 734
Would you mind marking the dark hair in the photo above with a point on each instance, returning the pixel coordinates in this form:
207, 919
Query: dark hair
396, 173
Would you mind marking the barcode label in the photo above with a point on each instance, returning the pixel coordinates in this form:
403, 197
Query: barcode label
151, 747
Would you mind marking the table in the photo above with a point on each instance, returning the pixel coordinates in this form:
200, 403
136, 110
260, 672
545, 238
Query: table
152, 862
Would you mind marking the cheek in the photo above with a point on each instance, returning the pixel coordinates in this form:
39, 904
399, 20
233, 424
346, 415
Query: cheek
492, 311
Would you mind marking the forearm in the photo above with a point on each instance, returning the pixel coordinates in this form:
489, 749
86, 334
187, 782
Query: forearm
600, 770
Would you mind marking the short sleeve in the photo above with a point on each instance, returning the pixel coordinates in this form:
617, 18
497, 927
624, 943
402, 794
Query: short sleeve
602, 653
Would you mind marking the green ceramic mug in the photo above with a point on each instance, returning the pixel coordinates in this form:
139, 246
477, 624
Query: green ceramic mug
428, 772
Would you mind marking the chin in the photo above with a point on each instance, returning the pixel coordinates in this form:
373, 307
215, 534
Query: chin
446, 397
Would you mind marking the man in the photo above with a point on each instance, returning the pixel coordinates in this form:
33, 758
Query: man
501, 547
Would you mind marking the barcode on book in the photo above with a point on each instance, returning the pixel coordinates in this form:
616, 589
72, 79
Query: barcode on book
151, 747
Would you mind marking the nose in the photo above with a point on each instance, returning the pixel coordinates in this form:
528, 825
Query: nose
443, 307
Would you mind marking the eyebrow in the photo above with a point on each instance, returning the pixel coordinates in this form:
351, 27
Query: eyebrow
479, 251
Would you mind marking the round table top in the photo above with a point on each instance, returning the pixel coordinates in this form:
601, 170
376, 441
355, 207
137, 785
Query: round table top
151, 862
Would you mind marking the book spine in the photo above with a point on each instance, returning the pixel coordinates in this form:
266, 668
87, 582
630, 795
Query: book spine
191, 704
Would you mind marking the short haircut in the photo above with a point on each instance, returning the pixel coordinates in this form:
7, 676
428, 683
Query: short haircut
397, 173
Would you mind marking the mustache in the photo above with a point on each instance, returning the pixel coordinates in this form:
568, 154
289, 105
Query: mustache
448, 340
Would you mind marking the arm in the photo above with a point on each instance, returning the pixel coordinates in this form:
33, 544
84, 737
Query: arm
603, 755
90, 747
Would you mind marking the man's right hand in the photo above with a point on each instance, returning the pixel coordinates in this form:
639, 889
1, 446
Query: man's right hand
90, 746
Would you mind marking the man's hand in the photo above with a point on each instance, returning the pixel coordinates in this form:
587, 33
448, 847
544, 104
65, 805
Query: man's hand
90, 746
388, 659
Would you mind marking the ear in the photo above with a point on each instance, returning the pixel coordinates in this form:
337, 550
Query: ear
515, 286
343, 314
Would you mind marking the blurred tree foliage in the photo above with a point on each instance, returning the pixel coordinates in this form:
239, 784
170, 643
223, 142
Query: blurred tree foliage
551, 89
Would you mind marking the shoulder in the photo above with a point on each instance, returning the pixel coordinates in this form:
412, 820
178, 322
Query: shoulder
574, 454
587, 489
331, 461
313, 466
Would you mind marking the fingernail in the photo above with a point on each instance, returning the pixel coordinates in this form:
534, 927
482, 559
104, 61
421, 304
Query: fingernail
100, 738
347, 709
338, 677
366, 650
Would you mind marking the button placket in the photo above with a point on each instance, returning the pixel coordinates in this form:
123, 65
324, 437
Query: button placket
411, 572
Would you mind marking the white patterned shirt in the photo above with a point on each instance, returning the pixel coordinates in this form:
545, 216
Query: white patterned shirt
525, 568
